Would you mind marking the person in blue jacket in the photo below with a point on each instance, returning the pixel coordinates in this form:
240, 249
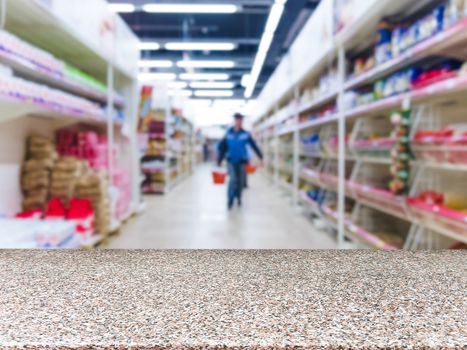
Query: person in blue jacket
234, 147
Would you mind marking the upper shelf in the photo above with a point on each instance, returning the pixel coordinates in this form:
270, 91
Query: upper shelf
33, 72
35, 23
11, 108
442, 43
435, 92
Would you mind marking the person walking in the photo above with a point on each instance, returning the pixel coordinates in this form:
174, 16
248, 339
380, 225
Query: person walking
234, 147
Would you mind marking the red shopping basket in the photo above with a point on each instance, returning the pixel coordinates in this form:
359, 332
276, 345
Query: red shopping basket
219, 177
250, 168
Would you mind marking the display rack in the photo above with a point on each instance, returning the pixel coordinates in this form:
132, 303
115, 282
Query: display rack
63, 68
169, 152
381, 155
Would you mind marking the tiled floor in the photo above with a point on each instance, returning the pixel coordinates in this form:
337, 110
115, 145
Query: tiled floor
194, 216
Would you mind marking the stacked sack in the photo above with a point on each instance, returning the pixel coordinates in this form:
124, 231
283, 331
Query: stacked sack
35, 176
94, 186
65, 175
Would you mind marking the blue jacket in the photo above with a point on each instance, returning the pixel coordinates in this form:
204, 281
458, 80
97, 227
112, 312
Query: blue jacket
234, 145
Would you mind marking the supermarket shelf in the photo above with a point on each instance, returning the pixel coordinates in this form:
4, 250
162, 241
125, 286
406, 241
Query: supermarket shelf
310, 176
439, 44
318, 102
432, 220
286, 130
434, 91
318, 122
367, 238
310, 204
285, 169
314, 156
373, 160
442, 166
62, 39
384, 209
15, 107
31, 71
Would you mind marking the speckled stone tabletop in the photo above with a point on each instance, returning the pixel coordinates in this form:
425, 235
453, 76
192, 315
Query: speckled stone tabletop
233, 299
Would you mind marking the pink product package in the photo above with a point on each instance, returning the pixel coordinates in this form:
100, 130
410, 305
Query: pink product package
86, 145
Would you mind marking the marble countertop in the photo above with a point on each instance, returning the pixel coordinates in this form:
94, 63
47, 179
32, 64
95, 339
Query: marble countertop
233, 299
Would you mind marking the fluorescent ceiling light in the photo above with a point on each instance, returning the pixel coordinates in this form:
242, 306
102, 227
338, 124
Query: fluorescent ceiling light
204, 76
148, 46
212, 85
274, 18
184, 93
177, 85
199, 46
190, 8
206, 64
156, 76
155, 64
266, 40
245, 79
214, 93
122, 8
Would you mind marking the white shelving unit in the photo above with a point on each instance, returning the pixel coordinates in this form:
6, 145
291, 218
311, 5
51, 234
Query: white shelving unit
178, 157
96, 42
337, 163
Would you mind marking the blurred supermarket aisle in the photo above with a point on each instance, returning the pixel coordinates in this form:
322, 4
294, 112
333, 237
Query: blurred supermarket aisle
194, 216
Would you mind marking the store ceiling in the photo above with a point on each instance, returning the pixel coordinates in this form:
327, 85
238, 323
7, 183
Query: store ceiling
243, 28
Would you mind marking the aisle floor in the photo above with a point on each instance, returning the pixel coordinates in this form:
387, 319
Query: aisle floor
194, 216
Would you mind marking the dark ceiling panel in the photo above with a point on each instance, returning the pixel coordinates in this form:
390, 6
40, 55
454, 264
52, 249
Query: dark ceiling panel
244, 28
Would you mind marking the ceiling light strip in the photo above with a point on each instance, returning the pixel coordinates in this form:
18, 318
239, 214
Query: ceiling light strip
212, 85
206, 64
204, 76
148, 46
266, 40
122, 8
200, 46
190, 8
214, 93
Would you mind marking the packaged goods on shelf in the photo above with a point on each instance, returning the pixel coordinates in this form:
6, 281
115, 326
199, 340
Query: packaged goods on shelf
375, 229
411, 79
401, 154
86, 145
82, 78
324, 112
95, 187
42, 96
444, 146
35, 177
65, 174
311, 145
24, 54
13, 45
31, 233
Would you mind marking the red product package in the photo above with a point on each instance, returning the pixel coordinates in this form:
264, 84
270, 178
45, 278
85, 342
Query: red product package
30, 214
430, 197
82, 213
55, 209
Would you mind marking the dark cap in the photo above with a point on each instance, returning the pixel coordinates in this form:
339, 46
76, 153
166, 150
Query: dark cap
238, 116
